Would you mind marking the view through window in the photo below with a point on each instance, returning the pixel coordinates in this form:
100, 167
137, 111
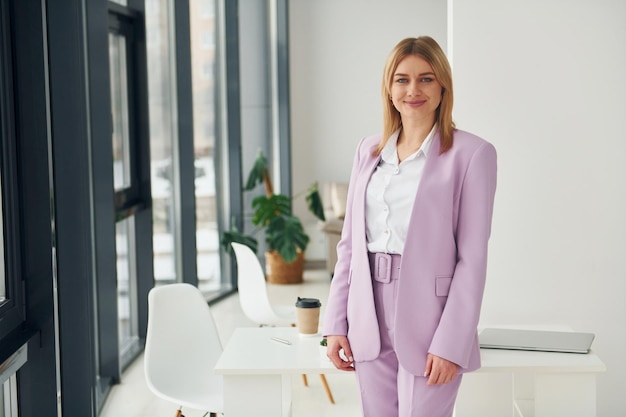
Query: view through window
203, 58
8, 398
163, 139
162, 102
127, 288
122, 179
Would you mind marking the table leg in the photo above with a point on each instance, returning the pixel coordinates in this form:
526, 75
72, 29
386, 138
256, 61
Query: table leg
327, 389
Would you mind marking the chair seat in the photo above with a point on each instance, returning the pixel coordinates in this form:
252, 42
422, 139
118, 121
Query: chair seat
182, 347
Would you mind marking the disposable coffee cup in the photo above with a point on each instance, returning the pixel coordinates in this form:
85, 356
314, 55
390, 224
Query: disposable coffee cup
308, 315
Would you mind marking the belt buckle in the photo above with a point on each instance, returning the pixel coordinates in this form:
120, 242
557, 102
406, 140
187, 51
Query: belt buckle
382, 265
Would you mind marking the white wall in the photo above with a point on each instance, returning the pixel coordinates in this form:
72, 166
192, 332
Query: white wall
337, 52
543, 81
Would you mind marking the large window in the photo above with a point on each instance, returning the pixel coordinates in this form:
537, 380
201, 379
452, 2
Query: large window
203, 70
122, 56
166, 147
163, 138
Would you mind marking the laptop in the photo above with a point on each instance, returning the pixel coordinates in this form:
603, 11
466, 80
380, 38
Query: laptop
535, 340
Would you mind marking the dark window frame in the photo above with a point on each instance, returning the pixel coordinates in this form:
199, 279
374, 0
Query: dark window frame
12, 313
123, 21
136, 200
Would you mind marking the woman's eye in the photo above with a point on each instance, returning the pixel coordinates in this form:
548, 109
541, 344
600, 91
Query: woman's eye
401, 80
427, 80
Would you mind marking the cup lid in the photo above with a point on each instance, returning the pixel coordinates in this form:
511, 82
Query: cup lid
308, 302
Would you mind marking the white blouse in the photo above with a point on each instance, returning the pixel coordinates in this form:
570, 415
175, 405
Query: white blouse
390, 196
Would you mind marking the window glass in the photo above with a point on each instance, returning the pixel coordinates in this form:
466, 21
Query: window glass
8, 382
203, 55
126, 285
8, 399
161, 100
124, 229
119, 104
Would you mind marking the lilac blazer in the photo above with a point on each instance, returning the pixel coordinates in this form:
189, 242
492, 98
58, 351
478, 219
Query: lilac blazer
443, 268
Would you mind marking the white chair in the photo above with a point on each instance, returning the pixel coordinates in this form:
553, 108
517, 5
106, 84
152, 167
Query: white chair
255, 302
182, 347
253, 296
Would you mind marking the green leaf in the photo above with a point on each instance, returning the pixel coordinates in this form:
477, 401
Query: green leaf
258, 171
286, 235
314, 202
266, 209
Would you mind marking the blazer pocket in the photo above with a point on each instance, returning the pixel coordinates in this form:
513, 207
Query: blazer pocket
442, 285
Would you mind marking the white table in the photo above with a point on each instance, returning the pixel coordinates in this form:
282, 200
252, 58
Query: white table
514, 383
531, 384
257, 378
257, 370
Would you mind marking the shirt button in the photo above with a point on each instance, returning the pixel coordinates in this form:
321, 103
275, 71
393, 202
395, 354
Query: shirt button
397, 170
387, 231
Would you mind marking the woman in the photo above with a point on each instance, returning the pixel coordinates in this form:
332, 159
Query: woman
406, 292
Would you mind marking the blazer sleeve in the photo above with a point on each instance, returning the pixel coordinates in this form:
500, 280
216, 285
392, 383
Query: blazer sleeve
336, 314
455, 336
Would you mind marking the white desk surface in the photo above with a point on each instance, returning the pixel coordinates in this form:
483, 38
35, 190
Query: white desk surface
251, 351
499, 360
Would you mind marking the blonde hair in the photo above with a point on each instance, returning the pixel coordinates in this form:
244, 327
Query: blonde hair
428, 49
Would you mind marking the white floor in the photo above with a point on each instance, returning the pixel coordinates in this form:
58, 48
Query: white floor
132, 398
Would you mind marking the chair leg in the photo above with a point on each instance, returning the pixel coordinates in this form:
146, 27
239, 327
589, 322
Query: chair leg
305, 381
327, 389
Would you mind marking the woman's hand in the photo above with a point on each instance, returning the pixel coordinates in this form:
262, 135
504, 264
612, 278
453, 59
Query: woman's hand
334, 345
440, 370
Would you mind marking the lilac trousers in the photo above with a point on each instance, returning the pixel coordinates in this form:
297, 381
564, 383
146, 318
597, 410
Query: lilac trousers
387, 389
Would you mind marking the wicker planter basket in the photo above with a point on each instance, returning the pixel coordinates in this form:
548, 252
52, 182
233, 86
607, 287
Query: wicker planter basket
280, 272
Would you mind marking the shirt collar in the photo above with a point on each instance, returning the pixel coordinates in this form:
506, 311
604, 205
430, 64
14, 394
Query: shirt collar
389, 153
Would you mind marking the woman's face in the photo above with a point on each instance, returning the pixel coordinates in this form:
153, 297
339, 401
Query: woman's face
415, 92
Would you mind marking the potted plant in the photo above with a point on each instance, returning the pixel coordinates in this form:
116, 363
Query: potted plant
284, 234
